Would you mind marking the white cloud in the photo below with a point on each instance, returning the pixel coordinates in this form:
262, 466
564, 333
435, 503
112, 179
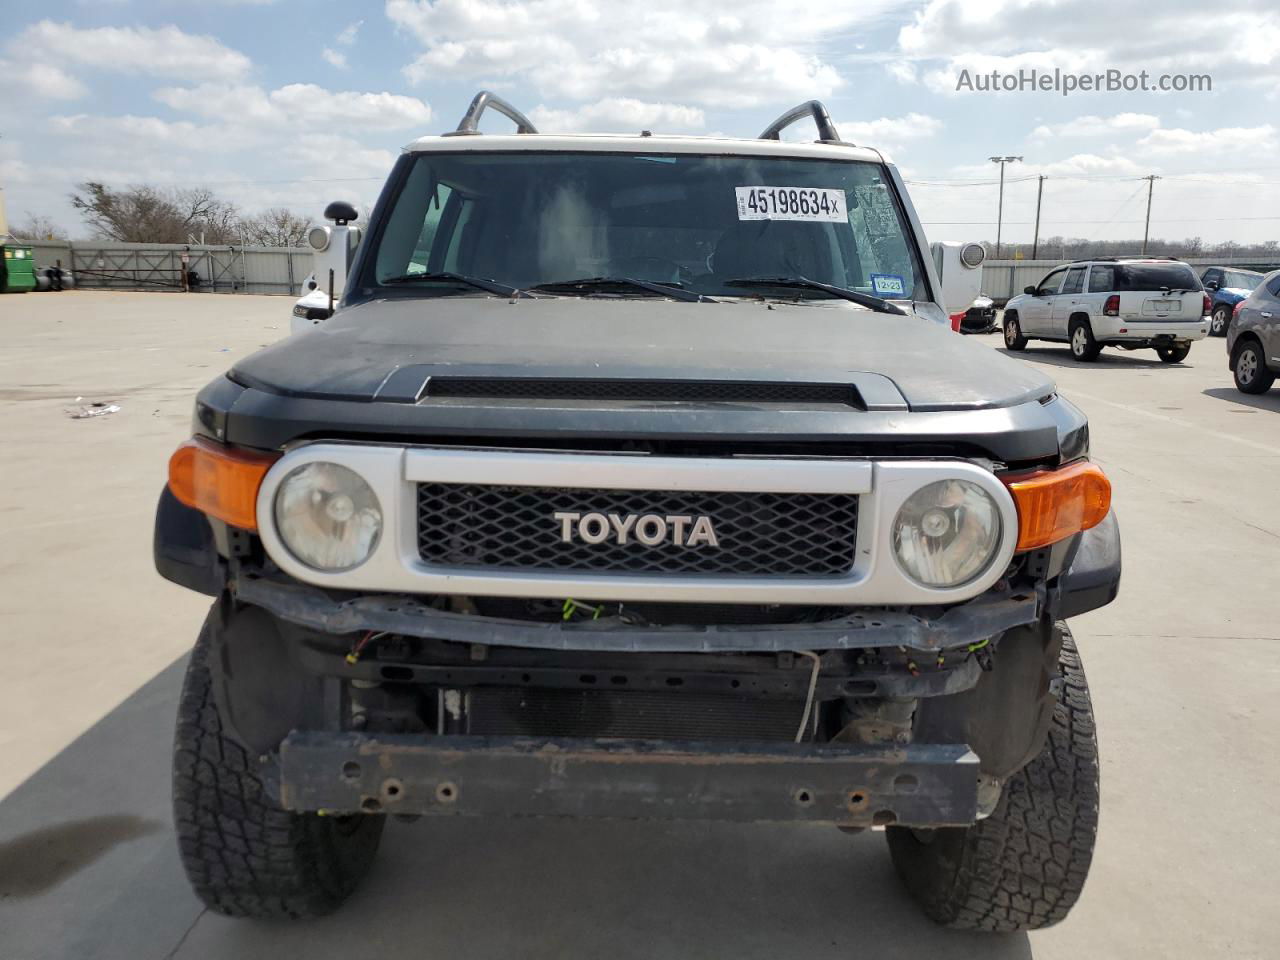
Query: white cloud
160, 52
42, 80
890, 131
616, 114
1259, 140
712, 53
1091, 126
1243, 43
298, 105
335, 58
348, 34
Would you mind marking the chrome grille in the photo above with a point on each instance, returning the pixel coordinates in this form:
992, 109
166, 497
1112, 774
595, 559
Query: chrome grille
759, 534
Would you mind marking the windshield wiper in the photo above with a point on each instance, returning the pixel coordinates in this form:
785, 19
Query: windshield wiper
853, 296
588, 284
478, 283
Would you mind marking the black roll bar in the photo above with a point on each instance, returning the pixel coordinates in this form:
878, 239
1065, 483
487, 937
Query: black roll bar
810, 108
470, 123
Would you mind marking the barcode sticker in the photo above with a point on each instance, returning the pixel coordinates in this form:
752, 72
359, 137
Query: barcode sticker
819, 204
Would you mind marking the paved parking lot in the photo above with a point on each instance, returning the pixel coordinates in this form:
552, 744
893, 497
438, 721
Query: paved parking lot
1184, 667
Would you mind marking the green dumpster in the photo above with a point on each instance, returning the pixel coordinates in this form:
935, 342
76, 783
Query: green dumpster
17, 268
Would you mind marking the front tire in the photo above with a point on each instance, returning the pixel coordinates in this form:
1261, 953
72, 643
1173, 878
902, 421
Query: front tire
244, 855
1023, 867
1249, 366
1083, 347
1220, 320
1173, 354
1013, 338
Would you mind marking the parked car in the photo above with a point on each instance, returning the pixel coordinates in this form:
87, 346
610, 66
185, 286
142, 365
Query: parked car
1226, 287
1253, 337
639, 477
1130, 302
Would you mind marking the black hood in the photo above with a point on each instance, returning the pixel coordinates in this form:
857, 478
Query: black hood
894, 361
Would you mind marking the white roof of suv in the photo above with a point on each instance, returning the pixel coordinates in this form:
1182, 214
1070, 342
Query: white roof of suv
468, 137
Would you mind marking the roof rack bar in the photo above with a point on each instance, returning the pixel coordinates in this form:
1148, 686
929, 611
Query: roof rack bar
810, 108
470, 123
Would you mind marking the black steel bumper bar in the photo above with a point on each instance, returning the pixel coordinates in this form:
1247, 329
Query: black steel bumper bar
985, 616
920, 784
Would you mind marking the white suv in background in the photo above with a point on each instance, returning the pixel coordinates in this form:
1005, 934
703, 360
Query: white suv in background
1128, 302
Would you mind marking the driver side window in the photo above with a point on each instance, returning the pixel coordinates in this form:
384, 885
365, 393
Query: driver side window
1049, 285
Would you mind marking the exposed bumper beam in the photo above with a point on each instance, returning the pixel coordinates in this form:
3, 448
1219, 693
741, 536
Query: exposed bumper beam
920, 784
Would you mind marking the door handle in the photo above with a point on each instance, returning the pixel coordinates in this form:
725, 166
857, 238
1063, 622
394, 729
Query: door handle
1267, 314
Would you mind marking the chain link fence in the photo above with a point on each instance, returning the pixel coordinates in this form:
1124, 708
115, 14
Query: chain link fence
107, 265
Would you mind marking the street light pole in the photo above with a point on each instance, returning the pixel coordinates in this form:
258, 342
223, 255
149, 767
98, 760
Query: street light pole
1000, 209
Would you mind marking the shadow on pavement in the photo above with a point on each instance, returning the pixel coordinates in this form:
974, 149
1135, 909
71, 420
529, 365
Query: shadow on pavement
443, 888
1262, 401
1107, 359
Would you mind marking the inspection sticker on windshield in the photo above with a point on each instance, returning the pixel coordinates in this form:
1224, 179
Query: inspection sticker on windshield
790, 203
888, 285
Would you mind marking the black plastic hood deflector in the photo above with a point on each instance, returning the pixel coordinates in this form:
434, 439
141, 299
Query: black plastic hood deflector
352, 356
918, 382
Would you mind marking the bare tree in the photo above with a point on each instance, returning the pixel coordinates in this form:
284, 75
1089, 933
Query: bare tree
275, 227
147, 214
36, 228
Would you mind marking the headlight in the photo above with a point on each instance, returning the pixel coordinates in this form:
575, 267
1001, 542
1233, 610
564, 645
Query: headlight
946, 533
328, 516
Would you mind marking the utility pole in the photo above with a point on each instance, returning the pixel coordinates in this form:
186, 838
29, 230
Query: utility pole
1146, 231
1000, 209
1035, 244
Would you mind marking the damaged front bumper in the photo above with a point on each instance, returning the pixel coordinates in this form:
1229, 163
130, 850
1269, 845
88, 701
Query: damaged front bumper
858, 786
985, 616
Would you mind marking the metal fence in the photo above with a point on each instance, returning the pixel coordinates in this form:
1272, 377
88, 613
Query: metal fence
106, 265
1002, 279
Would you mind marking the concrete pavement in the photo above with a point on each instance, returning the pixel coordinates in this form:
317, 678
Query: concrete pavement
1184, 668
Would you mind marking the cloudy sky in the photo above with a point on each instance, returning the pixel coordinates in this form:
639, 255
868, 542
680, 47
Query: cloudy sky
296, 103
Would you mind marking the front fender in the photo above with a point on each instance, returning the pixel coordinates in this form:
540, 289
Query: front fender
184, 548
1092, 579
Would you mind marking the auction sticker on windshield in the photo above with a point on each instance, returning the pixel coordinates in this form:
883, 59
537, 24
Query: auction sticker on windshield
888, 285
790, 203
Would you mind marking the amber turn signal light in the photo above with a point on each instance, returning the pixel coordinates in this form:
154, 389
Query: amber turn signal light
219, 481
1054, 504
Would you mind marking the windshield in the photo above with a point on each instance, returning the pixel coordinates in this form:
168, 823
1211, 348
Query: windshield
1156, 276
527, 219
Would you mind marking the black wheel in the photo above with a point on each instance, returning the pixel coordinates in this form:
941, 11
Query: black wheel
1173, 354
244, 855
1250, 368
1013, 338
1083, 347
1219, 320
1023, 867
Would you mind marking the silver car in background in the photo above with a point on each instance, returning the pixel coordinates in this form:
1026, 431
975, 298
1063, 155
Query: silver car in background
1253, 339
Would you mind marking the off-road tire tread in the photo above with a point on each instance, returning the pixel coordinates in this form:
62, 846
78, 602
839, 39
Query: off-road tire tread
244, 855
1023, 867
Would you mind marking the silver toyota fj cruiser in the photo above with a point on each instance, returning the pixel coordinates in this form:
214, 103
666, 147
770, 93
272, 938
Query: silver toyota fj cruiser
639, 477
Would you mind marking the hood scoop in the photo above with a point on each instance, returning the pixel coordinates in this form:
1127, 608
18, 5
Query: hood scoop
631, 390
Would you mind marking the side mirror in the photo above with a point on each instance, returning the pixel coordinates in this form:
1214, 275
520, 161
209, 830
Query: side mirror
1211, 285
340, 212
1031, 290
